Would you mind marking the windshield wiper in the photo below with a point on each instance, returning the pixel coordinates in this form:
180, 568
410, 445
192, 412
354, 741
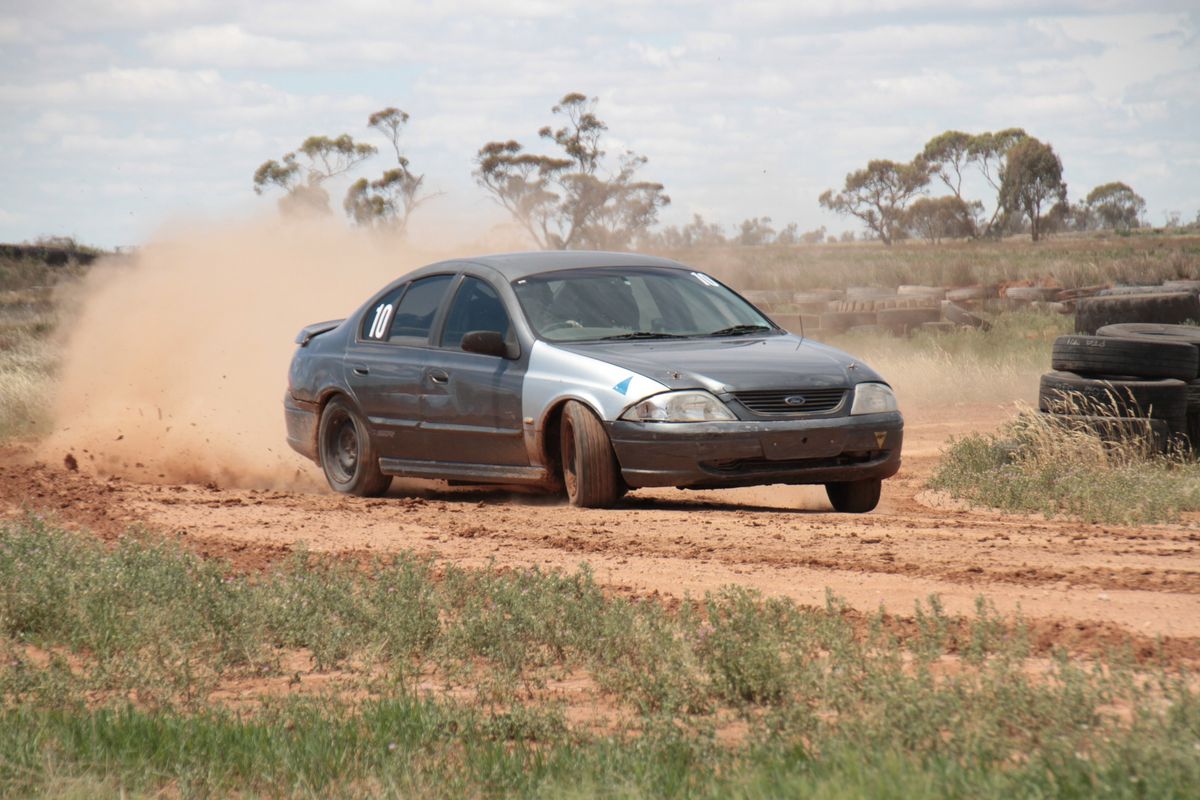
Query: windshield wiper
739, 329
643, 335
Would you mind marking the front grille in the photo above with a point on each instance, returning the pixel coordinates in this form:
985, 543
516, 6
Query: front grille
775, 401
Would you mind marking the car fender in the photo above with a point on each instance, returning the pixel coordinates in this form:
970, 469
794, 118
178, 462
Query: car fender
555, 375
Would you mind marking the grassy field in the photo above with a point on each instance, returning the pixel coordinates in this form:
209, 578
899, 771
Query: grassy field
118, 671
1070, 261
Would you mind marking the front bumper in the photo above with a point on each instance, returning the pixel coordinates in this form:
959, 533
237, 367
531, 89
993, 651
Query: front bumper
714, 455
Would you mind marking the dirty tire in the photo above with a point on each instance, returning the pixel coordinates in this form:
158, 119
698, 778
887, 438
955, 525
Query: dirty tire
915, 290
1105, 355
967, 294
854, 497
857, 306
1153, 332
901, 320
817, 295
952, 312
842, 321
869, 293
1156, 432
907, 302
1093, 313
1080, 292
1125, 291
590, 472
348, 458
1029, 294
1193, 416
1071, 394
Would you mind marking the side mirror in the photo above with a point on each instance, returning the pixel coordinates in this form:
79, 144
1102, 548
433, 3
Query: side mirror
488, 343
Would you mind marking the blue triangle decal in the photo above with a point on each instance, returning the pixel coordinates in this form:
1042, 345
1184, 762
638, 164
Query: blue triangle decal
623, 386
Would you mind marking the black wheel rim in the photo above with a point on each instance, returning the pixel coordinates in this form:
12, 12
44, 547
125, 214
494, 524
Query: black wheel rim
341, 449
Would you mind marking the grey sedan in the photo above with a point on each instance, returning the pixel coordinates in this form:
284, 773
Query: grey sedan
584, 372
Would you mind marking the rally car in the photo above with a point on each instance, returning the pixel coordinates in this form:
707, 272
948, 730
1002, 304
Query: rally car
587, 373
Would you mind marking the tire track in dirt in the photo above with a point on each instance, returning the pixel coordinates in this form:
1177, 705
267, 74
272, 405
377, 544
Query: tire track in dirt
779, 540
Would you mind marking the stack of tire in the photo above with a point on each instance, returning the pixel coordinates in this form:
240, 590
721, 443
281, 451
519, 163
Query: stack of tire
1172, 303
1131, 379
908, 309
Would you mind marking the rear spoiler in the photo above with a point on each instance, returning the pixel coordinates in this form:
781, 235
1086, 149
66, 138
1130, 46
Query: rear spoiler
309, 332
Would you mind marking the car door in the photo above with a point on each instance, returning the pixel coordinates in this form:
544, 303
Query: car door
388, 363
471, 404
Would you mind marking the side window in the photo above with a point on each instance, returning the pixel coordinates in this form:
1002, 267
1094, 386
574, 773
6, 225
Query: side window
476, 307
378, 320
415, 311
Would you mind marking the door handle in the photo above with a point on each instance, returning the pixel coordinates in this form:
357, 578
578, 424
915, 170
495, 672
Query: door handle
439, 376
360, 369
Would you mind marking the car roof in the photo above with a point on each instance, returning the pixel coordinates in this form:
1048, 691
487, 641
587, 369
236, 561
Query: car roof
514, 266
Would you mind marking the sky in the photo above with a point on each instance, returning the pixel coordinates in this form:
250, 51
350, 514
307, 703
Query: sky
117, 118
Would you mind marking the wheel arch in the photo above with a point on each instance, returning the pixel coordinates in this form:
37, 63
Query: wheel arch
549, 428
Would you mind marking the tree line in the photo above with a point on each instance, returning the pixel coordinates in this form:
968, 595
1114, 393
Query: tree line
577, 197
1024, 174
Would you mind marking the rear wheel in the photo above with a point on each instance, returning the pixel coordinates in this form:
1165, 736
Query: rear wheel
854, 497
590, 472
348, 457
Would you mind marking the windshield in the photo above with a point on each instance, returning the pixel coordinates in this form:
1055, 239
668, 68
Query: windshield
633, 303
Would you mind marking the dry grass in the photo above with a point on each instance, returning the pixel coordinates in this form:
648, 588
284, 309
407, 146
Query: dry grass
28, 357
1068, 260
1037, 463
965, 366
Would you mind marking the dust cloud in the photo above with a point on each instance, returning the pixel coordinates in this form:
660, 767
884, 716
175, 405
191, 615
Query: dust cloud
175, 357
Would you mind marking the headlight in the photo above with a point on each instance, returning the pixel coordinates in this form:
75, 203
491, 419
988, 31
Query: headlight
679, 407
873, 398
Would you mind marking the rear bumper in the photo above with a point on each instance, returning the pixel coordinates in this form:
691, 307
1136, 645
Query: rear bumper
726, 454
302, 419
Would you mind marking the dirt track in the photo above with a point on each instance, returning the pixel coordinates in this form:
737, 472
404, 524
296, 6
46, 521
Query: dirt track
1086, 585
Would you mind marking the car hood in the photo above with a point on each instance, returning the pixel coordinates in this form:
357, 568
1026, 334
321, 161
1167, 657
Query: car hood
732, 364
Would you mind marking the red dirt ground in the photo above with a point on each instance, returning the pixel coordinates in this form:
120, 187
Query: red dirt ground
1078, 584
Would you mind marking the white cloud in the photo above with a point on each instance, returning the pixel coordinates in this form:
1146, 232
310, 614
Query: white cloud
226, 46
53, 123
10, 29
108, 147
743, 109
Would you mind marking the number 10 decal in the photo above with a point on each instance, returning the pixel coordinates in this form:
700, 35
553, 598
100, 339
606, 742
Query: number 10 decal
383, 319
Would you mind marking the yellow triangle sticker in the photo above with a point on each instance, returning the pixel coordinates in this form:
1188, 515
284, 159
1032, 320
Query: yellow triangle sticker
880, 438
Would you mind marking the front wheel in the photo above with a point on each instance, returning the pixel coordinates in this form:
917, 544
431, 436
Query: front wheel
348, 457
854, 497
590, 472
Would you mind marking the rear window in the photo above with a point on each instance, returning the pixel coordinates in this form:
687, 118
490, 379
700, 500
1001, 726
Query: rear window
406, 314
414, 315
